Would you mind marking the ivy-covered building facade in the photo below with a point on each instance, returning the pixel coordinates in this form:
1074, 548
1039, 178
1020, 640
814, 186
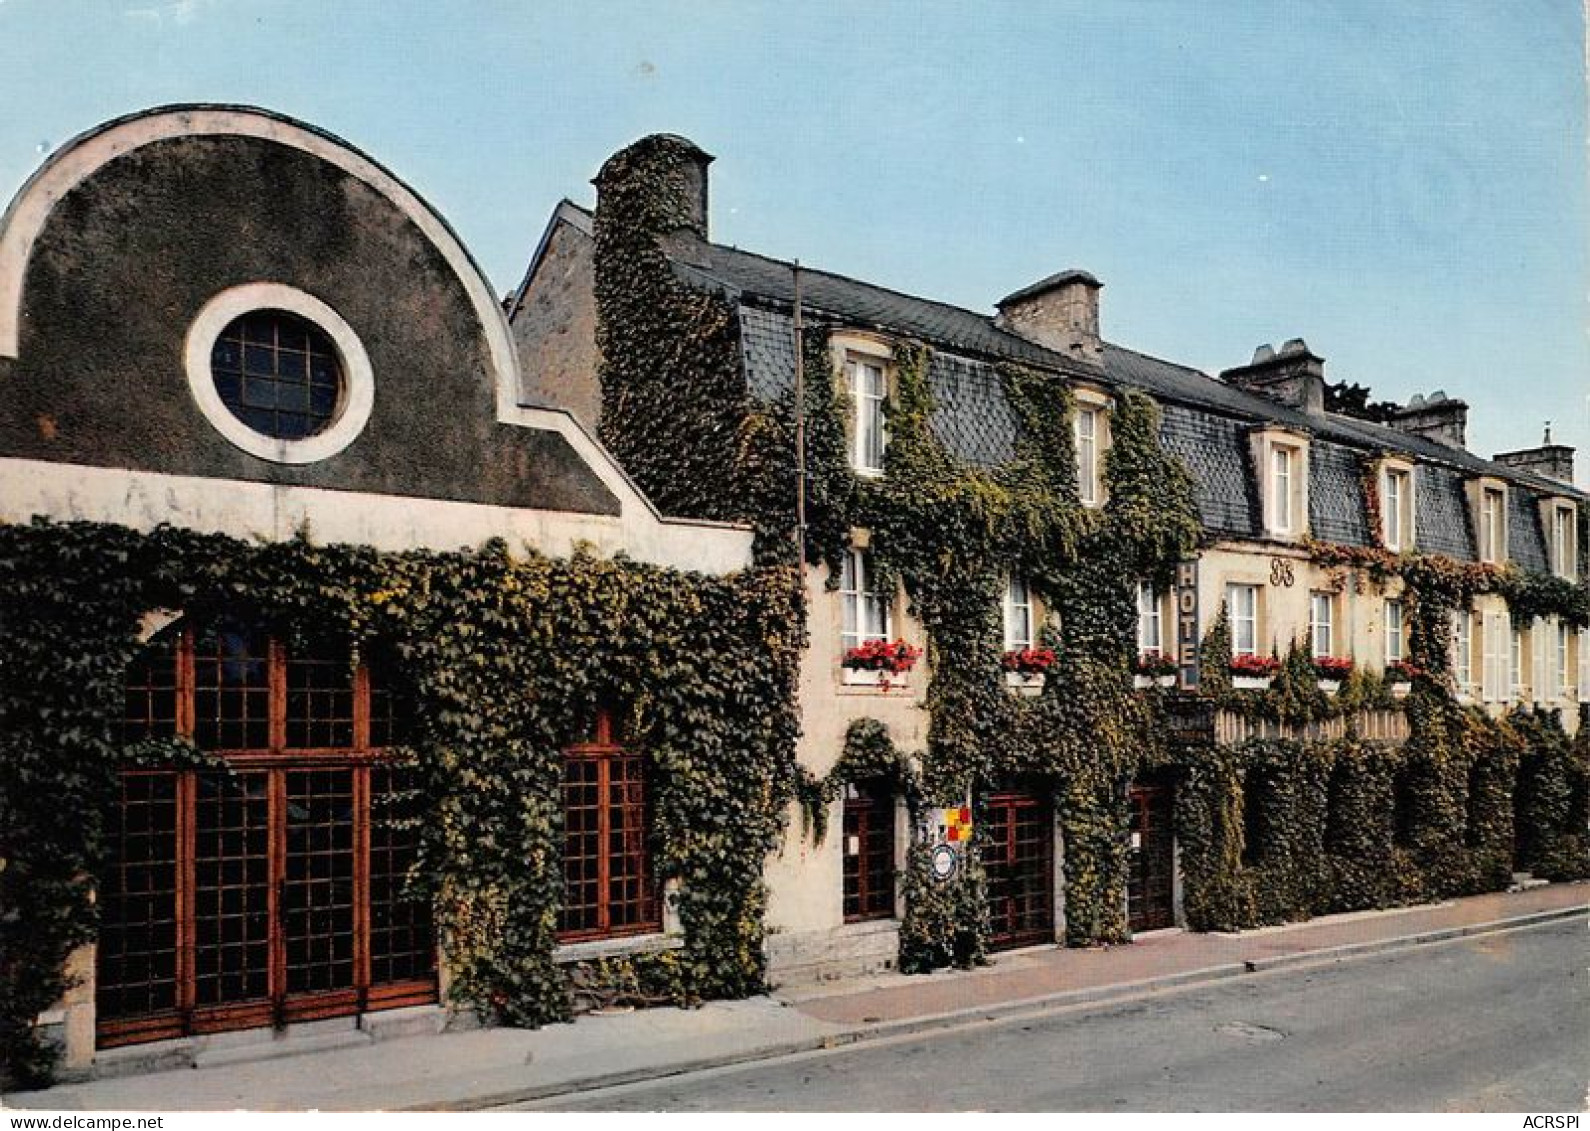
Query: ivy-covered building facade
338, 683
376, 653
1096, 643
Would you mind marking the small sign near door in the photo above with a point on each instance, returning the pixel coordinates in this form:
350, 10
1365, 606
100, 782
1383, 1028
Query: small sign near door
944, 830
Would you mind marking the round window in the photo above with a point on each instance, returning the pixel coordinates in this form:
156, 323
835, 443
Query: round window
278, 374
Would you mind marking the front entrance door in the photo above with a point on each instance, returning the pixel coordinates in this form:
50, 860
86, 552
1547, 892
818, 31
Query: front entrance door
1018, 856
1150, 889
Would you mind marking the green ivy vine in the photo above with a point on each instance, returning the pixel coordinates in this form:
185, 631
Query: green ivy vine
506, 658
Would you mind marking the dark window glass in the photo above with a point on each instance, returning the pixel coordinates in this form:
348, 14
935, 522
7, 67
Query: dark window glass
608, 888
278, 374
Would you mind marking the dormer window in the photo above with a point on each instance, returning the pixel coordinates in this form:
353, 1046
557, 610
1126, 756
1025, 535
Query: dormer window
1281, 459
1088, 456
1091, 433
1565, 540
1493, 524
869, 391
1281, 477
1396, 507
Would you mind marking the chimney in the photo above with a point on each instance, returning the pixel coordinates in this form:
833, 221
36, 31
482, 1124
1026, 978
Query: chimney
1294, 376
659, 184
1436, 417
1549, 461
1059, 313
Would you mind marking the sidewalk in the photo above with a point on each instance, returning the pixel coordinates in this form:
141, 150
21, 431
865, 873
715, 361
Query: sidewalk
495, 1066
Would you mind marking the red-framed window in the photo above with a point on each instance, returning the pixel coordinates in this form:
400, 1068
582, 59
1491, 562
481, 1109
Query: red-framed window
609, 888
274, 886
869, 850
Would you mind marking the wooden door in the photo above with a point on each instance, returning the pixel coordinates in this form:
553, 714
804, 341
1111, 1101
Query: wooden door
1018, 855
1151, 883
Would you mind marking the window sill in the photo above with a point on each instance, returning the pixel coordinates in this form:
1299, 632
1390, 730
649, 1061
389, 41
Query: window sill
622, 946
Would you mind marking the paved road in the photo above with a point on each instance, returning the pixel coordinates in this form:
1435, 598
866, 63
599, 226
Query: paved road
1496, 1023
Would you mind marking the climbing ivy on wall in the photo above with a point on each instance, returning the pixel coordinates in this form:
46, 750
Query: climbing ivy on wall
663, 342
952, 534
1326, 816
506, 658
1276, 830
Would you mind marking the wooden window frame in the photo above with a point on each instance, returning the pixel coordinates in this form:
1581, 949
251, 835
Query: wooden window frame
1564, 540
1396, 642
605, 752
1232, 590
1150, 612
869, 418
1316, 598
855, 593
1017, 610
276, 761
1398, 520
1463, 652
1492, 525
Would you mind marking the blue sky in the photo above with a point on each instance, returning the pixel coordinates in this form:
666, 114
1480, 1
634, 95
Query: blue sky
1404, 185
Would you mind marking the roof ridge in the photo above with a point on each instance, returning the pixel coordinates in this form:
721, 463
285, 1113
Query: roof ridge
856, 281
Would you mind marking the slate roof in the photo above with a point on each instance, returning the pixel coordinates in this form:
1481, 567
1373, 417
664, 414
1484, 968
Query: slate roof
1205, 420
1441, 513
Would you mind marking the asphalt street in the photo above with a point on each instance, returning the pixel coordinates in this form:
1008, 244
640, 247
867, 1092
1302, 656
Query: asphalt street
1499, 1022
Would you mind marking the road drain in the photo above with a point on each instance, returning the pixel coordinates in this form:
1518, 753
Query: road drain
1248, 1031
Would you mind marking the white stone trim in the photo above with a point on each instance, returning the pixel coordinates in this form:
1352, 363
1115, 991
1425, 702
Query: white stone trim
354, 401
85, 154
271, 512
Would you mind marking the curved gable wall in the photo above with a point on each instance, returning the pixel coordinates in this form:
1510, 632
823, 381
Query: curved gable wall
142, 235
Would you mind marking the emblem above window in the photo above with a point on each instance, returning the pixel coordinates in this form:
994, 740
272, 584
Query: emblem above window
279, 373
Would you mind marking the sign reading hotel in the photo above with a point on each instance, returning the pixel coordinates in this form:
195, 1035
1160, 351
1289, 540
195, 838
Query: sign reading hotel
1187, 622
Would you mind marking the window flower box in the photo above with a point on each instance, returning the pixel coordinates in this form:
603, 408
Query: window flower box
1025, 668
1253, 672
1154, 669
1027, 684
1028, 661
1331, 671
880, 663
1400, 675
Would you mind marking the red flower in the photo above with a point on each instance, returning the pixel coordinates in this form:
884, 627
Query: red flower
1029, 661
1154, 663
1333, 667
1255, 666
1403, 671
895, 658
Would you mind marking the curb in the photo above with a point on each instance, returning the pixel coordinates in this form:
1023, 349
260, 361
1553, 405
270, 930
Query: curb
1422, 938
1005, 1010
